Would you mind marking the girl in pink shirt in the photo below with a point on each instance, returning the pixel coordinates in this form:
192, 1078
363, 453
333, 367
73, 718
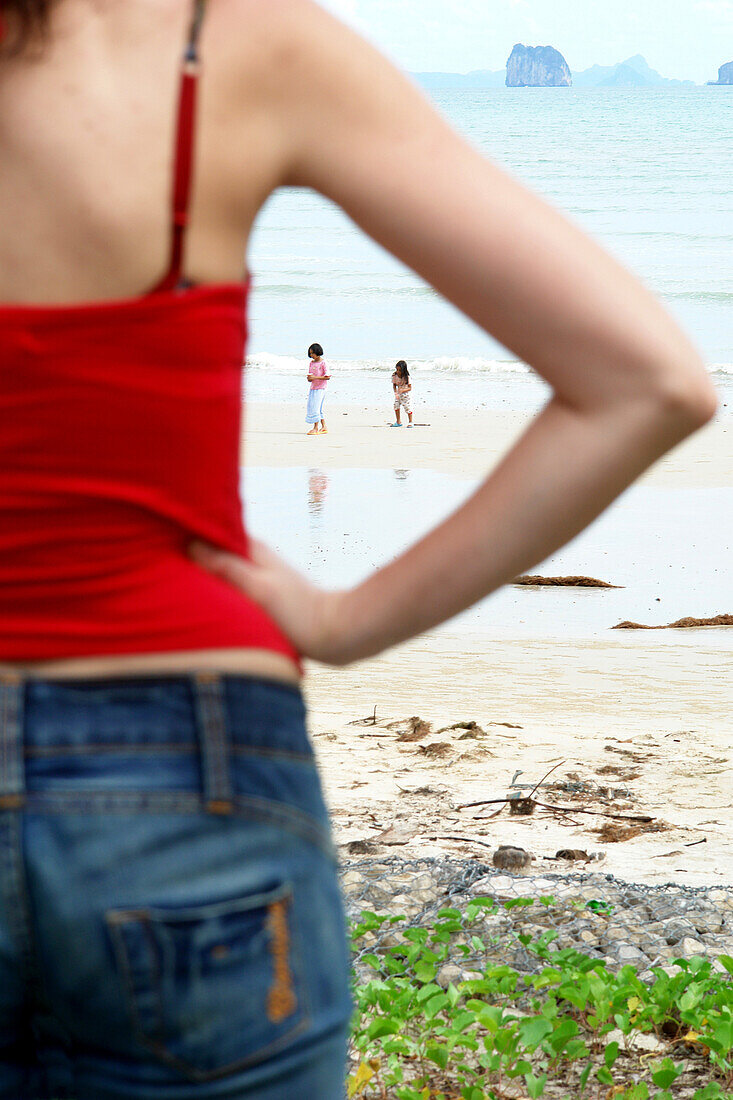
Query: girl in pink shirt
318, 378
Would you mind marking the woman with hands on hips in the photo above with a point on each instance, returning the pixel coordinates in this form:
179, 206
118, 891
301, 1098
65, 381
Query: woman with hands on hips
138, 141
627, 385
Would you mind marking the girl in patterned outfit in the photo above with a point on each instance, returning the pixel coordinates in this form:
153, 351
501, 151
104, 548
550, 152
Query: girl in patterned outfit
402, 393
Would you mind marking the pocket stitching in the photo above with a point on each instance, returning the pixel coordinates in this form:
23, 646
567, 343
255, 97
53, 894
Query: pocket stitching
120, 951
116, 918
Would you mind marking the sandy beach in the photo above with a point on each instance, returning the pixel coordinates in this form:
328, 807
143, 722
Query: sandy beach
636, 725
462, 443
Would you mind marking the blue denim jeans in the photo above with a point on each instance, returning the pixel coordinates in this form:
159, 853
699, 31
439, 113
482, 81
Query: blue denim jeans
170, 920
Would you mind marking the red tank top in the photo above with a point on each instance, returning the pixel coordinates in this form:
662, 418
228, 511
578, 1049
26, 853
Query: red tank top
119, 444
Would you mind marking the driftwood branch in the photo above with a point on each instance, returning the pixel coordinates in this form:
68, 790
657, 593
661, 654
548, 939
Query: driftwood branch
464, 840
641, 819
544, 777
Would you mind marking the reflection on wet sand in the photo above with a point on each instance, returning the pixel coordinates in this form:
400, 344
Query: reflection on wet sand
317, 490
341, 524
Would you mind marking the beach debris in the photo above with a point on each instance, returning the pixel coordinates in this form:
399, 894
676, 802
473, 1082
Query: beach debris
526, 805
611, 833
436, 750
399, 833
635, 757
412, 729
563, 582
361, 847
578, 855
371, 720
479, 753
507, 725
621, 772
529, 786
473, 730
641, 819
681, 624
521, 807
508, 858
420, 790
463, 840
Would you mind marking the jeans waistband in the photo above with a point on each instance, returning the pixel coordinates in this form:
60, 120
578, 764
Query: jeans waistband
215, 714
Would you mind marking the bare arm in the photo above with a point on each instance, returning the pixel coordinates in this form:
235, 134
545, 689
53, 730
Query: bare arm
627, 385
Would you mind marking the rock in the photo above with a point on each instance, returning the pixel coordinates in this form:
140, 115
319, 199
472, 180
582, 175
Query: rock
725, 74
447, 974
707, 923
537, 67
492, 886
352, 881
689, 947
672, 931
404, 906
420, 888
646, 1041
627, 953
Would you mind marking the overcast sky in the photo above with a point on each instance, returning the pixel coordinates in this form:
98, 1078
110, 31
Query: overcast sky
687, 39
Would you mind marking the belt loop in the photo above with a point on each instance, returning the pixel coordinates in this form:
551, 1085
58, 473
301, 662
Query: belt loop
12, 771
214, 743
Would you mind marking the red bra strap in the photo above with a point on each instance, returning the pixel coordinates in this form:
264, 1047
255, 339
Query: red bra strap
185, 132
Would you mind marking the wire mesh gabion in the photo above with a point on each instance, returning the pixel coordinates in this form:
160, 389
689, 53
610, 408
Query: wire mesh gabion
599, 915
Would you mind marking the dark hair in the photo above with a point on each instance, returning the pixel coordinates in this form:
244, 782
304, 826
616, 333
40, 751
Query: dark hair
402, 370
29, 17
316, 349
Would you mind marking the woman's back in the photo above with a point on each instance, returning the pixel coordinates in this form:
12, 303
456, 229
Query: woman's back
87, 121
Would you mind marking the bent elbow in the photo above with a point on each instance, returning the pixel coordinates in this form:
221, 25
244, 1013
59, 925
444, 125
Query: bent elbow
688, 400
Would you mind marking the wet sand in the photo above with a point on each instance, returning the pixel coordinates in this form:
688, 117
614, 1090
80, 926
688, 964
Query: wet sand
462, 444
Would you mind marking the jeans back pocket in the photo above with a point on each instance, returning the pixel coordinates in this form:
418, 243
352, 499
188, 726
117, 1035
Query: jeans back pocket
213, 988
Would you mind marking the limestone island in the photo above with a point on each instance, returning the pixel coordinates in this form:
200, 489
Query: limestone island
537, 67
725, 74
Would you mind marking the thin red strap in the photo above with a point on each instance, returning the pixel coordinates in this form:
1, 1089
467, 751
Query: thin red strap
183, 168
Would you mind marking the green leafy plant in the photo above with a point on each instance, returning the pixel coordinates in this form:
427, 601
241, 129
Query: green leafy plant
498, 1033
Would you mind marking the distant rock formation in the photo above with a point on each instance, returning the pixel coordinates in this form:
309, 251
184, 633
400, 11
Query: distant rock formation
537, 67
632, 73
725, 74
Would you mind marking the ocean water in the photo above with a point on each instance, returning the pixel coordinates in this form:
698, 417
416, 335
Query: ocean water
646, 172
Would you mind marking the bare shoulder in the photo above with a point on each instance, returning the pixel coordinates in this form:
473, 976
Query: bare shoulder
323, 87
275, 41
